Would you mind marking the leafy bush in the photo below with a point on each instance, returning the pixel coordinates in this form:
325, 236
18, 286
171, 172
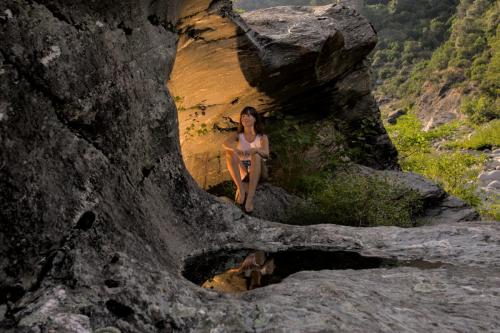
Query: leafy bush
409, 138
356, 200
455, 171
290, 139
481, 109
486, 136
491, 210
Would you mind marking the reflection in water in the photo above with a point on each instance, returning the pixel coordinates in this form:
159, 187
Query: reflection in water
247, 276
247, 269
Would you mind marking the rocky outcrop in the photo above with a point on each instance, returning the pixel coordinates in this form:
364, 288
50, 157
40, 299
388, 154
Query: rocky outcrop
273, 203
288, 60
87, 129
392, 118
489, 182
99, 217
463, 278
440, 103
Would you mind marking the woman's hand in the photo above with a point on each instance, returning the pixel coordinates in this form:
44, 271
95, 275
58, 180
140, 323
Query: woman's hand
253, 151
259, 151
241, 153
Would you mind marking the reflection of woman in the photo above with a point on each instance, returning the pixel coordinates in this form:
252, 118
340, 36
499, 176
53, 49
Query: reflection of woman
244, 153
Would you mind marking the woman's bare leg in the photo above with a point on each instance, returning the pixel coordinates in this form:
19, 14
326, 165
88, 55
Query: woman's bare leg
243, 173
233, 165
254, 179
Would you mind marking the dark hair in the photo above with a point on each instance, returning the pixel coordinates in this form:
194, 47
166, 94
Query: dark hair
258, 126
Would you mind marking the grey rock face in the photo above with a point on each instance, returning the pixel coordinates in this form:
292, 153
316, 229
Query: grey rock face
489, 179
98, 214
272, 203
393, 116
334, 36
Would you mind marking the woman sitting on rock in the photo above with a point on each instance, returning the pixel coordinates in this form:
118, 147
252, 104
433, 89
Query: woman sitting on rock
244, 153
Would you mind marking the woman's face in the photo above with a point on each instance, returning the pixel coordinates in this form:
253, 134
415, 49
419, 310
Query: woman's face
247, 120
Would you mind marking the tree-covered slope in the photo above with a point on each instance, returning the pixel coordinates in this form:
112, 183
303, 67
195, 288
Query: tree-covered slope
409, 31
472, 51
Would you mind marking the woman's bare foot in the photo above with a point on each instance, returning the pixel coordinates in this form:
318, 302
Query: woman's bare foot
249, 206
240, 196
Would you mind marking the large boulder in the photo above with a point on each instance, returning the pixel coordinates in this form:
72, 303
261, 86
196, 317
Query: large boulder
297, 61
99, 217
273, 203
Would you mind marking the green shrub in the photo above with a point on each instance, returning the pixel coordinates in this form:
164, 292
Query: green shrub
361, 201
480, 109
455, 171
408, 137
486, 136
491, 211
290, 140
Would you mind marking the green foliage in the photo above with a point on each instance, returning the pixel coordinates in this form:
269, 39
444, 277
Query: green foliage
203, 130
456, 171
436, 47
408, 33
361, 137
481, 109
491, 210
485, 136
192, 131
179, 103
347, 199
357, 200
490, 81
290, 139
409, 138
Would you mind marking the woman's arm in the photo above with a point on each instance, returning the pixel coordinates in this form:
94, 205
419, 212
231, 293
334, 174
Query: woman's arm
263, 151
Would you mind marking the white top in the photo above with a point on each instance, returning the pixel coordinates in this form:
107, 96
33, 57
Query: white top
244, 145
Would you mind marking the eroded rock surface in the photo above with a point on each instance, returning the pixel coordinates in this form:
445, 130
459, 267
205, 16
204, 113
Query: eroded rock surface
272, 203
461, 295
440, 104
98, 213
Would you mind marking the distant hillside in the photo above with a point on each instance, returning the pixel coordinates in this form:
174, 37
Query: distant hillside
409, 31
451, 130
469, 60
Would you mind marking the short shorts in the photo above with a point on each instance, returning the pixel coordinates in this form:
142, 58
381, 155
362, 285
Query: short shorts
246, 164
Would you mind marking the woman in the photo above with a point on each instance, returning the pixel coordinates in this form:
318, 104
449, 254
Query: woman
244, 153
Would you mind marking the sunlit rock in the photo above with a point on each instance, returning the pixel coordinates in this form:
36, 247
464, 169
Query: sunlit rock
294, 60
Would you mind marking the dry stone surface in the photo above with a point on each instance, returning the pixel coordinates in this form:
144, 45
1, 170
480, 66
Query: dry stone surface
98, 214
